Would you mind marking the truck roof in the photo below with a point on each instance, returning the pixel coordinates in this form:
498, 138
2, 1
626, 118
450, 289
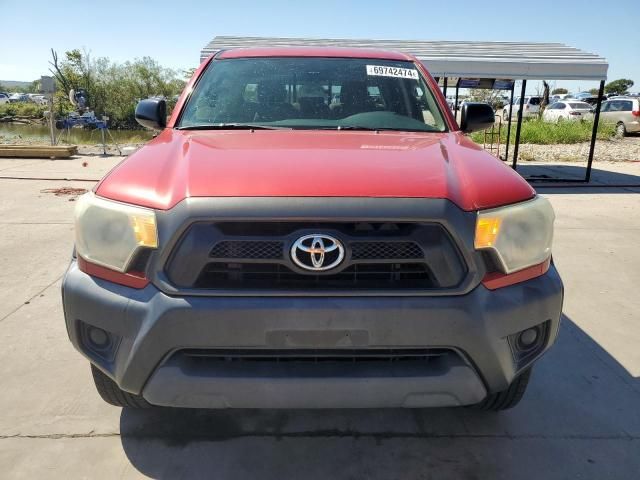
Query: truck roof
337, 52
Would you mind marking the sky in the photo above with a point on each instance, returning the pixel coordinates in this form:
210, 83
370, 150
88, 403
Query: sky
174, 32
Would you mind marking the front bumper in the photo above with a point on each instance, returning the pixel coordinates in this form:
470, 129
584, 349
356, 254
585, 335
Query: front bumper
151, 328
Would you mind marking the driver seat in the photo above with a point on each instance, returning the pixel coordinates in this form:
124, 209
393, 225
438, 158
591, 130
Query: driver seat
354, 98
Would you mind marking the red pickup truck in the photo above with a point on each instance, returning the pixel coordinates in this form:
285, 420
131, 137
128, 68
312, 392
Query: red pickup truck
312, 229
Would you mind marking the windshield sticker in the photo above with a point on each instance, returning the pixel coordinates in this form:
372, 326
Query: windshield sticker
382, 71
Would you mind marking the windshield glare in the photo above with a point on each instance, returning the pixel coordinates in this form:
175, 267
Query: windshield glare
313, 93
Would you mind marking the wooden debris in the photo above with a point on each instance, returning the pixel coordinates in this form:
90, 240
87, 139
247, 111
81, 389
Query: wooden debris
38, 151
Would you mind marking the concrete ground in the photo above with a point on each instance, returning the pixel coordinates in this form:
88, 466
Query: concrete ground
580, 418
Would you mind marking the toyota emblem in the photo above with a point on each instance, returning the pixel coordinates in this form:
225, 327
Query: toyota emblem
317, 252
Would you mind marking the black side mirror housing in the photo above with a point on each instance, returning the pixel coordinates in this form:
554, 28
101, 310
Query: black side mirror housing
476, 116
152, 113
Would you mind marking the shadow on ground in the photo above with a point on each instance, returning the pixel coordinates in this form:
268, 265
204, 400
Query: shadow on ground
542, 176
579, 419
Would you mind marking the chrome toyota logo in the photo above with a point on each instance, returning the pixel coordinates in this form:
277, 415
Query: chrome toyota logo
317, 252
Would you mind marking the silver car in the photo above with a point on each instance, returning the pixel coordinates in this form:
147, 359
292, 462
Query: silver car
624, 112
531, 108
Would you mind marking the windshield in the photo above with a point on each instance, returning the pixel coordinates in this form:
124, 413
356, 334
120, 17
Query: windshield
313, 93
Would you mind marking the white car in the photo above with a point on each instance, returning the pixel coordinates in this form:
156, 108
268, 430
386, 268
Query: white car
37, 98
4, 98
531, 108
568, 110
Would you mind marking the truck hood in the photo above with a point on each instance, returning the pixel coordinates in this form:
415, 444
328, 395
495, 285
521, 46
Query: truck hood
305, 163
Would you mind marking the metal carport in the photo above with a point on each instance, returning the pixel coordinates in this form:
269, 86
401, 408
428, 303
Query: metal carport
488, 61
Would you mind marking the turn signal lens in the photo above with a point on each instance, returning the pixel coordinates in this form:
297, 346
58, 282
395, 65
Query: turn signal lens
144, 230
487, 230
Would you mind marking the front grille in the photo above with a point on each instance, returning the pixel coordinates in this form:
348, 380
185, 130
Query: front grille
256, 256
247, 249
263, 249
385, 250
270, 276
316, 356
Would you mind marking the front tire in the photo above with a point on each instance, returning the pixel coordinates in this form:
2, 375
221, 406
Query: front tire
112, 394
508, 398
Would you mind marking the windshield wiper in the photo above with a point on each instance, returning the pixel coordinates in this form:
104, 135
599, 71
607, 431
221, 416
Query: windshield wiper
378, 129
232, 126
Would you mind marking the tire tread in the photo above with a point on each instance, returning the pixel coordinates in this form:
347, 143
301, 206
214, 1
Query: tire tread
112, 394
508, 398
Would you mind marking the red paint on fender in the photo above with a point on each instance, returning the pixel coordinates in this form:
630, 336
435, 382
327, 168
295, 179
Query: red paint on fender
129, 279
496, 280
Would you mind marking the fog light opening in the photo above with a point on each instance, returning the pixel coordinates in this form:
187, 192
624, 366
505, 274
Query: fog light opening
528, 338
100, 340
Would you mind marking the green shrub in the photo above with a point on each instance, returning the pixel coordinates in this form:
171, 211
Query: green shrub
22, 109
546, 133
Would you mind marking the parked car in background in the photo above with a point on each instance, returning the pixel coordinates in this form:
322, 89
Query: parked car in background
592, 100
568, 110
624, 112
18, 97
531, 107
559, 96
37, 98
4, 98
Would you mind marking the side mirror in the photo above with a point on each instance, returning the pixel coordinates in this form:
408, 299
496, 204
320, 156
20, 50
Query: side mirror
152, 113
476, 116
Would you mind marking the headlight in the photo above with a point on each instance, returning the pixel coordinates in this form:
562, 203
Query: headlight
110, 233
520, 235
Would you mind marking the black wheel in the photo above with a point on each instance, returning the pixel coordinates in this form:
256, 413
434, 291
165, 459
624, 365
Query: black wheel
111, 393
505, 115
508, 398
621, 131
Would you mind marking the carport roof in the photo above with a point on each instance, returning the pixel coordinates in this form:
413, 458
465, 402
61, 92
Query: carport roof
508, 60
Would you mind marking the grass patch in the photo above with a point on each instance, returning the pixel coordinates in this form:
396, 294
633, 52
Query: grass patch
22, 109
545, 133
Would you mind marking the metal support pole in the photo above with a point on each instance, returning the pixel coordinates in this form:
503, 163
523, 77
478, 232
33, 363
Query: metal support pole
104, 145
456, 104
506, 152
519, 125
444, 87
594, 132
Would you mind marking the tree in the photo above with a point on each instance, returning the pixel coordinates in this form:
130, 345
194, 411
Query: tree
485, 95
559, 91
188, 73
621, 86
113, 89
545, 98
594, 91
